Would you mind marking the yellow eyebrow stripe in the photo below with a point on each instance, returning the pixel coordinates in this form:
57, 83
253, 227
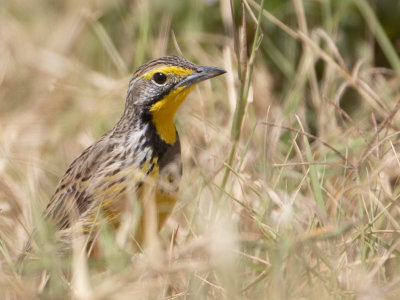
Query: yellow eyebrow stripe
168, 70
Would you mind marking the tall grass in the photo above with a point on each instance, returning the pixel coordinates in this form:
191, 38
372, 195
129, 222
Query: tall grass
291, 173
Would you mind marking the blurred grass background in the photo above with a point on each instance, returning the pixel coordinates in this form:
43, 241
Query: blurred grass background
301, 203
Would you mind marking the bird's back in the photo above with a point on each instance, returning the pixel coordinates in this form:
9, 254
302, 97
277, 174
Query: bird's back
104, 180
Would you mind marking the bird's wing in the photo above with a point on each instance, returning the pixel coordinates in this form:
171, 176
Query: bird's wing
71, 196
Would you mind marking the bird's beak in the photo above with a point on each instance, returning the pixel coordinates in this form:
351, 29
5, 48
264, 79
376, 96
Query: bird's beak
200, 74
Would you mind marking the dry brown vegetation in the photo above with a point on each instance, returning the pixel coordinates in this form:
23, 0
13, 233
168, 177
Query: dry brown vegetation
291, 172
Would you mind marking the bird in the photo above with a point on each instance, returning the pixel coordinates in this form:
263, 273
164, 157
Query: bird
139, 159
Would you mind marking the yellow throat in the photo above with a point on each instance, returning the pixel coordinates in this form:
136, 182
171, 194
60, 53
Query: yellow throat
163, 113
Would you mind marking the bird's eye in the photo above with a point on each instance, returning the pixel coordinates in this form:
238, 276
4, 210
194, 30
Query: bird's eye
159, 78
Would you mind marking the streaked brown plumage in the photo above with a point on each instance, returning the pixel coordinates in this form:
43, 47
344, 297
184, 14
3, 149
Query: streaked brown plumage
137, 159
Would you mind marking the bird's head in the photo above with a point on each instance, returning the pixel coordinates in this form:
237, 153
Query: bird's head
160, 86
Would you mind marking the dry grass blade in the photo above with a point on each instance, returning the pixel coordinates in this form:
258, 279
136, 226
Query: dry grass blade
343, 157
369, 148
245, 78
